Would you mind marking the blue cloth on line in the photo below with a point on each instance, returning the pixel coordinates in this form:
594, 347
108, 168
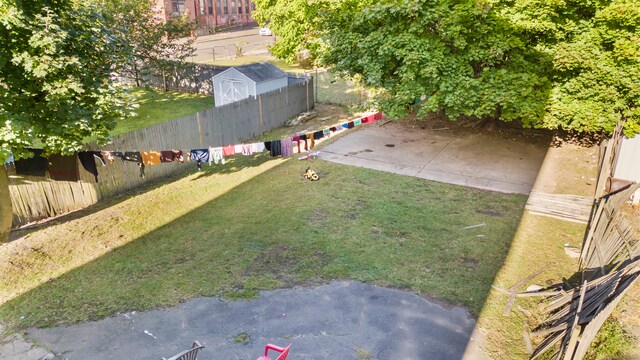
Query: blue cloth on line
199, 156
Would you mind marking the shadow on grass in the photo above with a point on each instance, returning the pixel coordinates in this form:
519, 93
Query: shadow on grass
278, 231
233, 164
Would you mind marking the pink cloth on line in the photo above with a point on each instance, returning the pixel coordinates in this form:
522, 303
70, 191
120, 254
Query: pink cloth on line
287, 147
228, 150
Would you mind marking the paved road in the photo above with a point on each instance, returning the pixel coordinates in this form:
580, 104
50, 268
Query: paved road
479, 160
328, 322
224, 44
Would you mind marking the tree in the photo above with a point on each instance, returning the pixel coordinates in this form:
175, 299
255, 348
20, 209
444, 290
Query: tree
595, 47
570, 64
55, 79
55, 85
154, 46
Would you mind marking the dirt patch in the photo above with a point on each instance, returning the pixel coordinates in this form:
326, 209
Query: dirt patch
276, 260
490, 212
284, 263
569, 168
317, 216
469, 263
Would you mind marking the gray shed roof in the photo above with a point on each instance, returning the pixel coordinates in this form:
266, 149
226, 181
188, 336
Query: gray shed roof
260, 72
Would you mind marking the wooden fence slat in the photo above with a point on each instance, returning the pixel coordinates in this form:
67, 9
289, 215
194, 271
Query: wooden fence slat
35, 198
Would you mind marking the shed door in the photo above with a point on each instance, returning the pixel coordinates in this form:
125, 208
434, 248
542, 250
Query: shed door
233, 90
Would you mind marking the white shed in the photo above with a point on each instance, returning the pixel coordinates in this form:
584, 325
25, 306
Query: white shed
627, 166
240, 82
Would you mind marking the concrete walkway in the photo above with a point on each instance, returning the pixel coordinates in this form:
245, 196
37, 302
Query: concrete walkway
341, 320
479, 160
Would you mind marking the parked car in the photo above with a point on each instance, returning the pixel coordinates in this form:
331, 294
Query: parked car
265, 32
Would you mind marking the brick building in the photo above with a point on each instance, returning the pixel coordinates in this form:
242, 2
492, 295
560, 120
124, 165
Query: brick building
211, 13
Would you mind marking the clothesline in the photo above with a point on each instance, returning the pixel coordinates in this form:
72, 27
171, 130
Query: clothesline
62, 167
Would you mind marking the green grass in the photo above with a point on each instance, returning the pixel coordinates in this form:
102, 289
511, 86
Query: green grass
236, 229
159, 106
612, 342
537, 242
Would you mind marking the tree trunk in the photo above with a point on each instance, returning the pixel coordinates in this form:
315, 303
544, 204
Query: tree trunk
164, 80
136, 73
6, 212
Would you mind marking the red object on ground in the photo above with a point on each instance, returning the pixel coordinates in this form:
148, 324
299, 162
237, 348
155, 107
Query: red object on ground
283, 352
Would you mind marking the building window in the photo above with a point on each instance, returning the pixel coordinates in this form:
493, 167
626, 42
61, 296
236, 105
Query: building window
210, 6
177, 7
239, 6
226, 7
233, 7
202, 9
246, 6
218, 12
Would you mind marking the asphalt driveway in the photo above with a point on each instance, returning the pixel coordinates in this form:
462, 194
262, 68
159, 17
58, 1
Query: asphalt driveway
342, 320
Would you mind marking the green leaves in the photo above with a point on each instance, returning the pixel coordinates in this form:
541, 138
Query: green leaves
55, 78
570, 64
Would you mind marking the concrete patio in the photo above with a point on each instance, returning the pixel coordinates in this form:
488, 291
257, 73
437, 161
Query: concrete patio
488, 161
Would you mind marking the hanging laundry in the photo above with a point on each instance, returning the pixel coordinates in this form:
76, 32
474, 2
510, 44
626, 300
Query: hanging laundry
171, 156
150, 158
229, 150
237, 149
345, 126
88, 161
257, 147
276, 148
267, 145
112, 155
297, 140
357, 122
134, 156
33, 166
246, 149
216, 155
312, 142
200, 156
286, 147
318, 135
63, 167
377, 116
350, 125
326, 132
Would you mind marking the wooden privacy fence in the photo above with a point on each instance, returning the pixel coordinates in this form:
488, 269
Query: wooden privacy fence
577, 315
610, 239
34, 198
609, 264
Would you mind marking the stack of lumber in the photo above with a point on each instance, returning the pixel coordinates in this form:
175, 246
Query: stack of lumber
577, 315
560, 206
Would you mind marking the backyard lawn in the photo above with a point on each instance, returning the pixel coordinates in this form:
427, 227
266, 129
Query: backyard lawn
158, 106
254, 224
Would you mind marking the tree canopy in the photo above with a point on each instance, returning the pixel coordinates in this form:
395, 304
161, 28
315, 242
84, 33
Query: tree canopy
55, 77
572, 64
153, 44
